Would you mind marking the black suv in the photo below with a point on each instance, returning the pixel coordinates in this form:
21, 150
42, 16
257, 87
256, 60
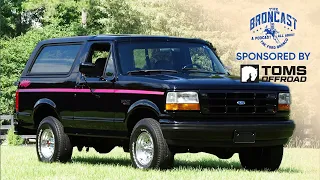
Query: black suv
155, 96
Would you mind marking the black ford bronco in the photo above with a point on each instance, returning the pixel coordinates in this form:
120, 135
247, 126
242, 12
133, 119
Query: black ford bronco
155, 96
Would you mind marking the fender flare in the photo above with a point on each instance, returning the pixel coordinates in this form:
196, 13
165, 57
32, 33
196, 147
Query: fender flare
45, 102
143, 103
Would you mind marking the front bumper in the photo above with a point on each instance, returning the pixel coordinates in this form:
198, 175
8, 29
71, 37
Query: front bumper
222, 133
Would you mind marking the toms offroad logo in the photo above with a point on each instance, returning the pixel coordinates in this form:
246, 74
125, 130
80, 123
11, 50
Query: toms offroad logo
273, 28
249, 73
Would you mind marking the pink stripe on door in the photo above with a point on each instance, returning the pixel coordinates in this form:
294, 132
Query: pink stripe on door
104, 90
127, 91
55, 90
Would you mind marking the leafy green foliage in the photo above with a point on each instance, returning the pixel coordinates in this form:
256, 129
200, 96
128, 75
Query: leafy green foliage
114, 16
13, 139
6, 17
56, 12
68, 13
15, 20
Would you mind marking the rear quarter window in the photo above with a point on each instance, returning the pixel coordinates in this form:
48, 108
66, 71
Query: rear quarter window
55, 59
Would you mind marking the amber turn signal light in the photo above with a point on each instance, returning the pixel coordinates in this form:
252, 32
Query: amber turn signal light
283, 107
184, 106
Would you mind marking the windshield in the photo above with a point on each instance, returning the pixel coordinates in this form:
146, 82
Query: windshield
168, 57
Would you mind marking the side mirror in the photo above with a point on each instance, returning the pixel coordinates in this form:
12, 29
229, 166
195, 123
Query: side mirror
87, 68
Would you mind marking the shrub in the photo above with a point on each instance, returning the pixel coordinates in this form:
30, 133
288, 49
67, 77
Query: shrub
13, 139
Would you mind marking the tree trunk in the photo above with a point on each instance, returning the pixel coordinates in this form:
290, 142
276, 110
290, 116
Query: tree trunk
84, 18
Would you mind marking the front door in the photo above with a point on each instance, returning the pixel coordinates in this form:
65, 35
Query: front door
94, 114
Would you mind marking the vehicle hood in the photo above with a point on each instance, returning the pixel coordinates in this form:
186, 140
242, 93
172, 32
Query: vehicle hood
200, 81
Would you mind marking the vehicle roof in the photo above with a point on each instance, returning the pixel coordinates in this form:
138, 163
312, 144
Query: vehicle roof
121, 37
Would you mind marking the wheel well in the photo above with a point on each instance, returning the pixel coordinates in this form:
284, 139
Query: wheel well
139, 114
42, 112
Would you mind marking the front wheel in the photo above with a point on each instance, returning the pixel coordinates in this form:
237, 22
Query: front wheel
52, 143
266, 158
148, 148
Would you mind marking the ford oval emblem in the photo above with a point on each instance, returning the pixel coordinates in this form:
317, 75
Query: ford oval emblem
241, 103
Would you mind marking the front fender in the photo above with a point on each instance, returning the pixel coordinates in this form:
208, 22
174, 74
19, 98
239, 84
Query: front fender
143, 103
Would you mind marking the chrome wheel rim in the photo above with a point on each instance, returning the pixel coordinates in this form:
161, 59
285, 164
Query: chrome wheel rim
144, 148
47, 143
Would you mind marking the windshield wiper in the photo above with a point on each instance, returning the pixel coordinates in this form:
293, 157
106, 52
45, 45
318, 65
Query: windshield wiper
201, 71
153, 71
196, 70
193, 69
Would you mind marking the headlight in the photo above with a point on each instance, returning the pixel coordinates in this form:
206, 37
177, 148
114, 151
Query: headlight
284, 102
182, 101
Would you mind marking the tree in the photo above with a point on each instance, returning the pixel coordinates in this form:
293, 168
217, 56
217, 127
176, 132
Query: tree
6, 19
56, 12
103, 16
14, 20
116, 17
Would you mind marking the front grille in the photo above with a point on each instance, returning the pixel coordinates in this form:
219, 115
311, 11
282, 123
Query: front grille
238, 103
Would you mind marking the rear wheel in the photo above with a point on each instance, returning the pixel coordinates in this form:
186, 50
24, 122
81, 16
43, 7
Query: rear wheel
266, 158
148, 148
52, 143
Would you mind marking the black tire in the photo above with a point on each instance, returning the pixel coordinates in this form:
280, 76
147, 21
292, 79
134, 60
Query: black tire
169, 162
266, 158
162, 156
62, 148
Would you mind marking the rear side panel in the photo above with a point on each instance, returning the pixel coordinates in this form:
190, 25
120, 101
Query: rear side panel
42, 93
52, 90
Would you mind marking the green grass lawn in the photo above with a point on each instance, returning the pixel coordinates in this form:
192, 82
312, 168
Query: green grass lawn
22, 163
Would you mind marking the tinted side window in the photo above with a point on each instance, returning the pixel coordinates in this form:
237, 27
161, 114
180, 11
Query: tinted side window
55, 59
110, 67
98, 55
